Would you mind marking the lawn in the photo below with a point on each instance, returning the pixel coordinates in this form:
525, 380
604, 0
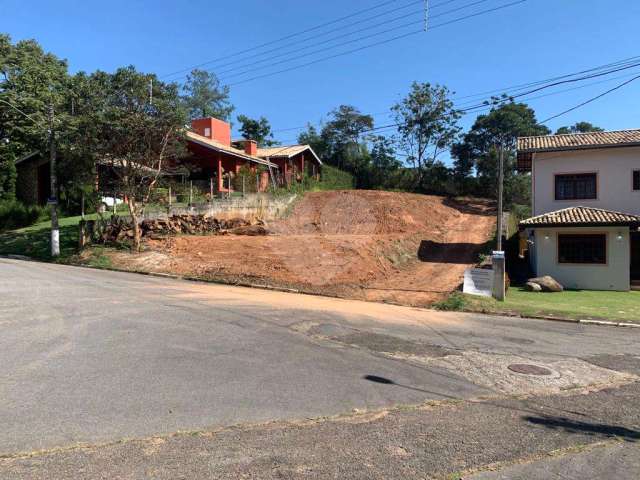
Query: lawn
34, 242
574, 304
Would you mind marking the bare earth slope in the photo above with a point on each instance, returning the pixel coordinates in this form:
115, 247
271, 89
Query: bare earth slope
383, 246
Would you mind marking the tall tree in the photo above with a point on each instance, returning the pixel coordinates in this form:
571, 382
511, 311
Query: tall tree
427, 125
384, 164
135, 137
344, 138
580, 127
32, 82
258, 130
205, 96
479, 147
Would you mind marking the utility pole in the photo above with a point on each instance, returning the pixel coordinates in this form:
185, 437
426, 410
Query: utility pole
500, 194
53, 200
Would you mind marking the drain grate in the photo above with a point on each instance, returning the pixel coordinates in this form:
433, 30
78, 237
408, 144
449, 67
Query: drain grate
528, 369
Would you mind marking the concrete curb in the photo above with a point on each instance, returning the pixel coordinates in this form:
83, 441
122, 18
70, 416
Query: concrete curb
302, 292
605, 323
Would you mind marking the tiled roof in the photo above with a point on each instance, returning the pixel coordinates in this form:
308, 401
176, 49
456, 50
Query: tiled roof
286, 151
577, 216
579, 141
221, 147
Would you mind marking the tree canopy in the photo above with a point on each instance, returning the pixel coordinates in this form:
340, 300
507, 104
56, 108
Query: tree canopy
580, 127
258, 130
205, 96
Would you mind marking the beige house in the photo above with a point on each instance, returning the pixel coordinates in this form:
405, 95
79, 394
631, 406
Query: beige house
585, 231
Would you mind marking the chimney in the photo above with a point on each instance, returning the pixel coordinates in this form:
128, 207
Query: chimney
213, 129
251, 147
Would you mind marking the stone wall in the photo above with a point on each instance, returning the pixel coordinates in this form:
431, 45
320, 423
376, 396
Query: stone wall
251, 207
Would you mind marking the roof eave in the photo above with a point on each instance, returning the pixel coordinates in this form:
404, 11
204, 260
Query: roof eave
233, 154
523, 226
577, 147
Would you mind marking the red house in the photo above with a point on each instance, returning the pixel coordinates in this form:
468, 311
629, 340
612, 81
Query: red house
216, 157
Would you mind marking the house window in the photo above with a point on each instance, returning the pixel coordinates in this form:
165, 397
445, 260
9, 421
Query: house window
583, 249
582, 186
636, 180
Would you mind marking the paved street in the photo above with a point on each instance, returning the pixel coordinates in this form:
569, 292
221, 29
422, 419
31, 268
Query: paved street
94, 357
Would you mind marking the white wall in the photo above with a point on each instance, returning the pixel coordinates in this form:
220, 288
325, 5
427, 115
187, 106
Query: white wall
614, 167
615, 275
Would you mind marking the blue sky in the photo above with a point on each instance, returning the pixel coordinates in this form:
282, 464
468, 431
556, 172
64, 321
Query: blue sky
526, 42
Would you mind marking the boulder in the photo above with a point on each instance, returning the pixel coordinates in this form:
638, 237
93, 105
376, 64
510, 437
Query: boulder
532, 287
547, 283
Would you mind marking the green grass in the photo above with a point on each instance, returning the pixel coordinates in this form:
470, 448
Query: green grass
34, 241
574, 304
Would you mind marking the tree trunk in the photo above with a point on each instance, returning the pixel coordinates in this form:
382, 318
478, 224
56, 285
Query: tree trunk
134, 220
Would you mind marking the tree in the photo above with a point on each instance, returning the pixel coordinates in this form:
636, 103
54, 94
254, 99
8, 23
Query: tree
31, 83
384, 164
344, 138
427, 125
479, 147
258, 130
205, 96
134, 137
580, 127
312, 138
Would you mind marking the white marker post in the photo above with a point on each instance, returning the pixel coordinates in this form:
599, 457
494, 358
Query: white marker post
498, 265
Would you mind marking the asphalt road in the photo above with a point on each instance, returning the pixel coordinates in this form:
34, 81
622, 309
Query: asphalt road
93, 356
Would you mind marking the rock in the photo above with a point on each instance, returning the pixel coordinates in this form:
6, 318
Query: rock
251, 230
547, 283
532, 287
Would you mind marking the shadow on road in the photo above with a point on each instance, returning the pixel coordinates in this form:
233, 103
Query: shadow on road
599, 429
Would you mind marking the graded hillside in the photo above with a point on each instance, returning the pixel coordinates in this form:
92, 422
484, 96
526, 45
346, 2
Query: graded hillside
384, 246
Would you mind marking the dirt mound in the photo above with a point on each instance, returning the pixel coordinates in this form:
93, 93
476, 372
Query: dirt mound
358, 212
384, 246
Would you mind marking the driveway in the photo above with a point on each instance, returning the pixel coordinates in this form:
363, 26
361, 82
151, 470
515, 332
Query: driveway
94, 356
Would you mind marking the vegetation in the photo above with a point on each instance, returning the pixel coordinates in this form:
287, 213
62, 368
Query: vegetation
33, 241
135, 137
258, 130
572, 304
580, 127
205, 96
14, 214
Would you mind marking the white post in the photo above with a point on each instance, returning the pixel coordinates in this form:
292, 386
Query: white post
190, 192
498, 265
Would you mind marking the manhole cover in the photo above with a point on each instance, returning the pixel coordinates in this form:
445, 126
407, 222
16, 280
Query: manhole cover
528, 369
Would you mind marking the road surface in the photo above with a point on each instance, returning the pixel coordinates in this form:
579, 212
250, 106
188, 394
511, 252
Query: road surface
94, 357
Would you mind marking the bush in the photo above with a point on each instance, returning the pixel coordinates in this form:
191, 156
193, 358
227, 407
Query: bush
14, 215
454, 303
333, 178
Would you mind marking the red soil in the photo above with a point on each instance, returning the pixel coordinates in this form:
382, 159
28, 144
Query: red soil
384, 246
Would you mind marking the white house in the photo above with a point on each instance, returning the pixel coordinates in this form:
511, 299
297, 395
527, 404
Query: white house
585, 231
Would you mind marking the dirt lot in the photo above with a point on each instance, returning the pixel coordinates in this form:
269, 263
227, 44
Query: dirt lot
383, 246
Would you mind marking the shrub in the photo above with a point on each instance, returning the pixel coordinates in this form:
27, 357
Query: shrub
14, 215
455, 302
333, 178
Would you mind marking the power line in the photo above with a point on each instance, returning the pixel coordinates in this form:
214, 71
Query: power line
383, 32
562, 82
382, 42
287, 37
592, 99
299, 41
516, 88
489, 107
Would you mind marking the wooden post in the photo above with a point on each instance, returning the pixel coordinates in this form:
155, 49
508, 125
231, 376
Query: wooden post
169, 197
243, 191
211, 189
190, 192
